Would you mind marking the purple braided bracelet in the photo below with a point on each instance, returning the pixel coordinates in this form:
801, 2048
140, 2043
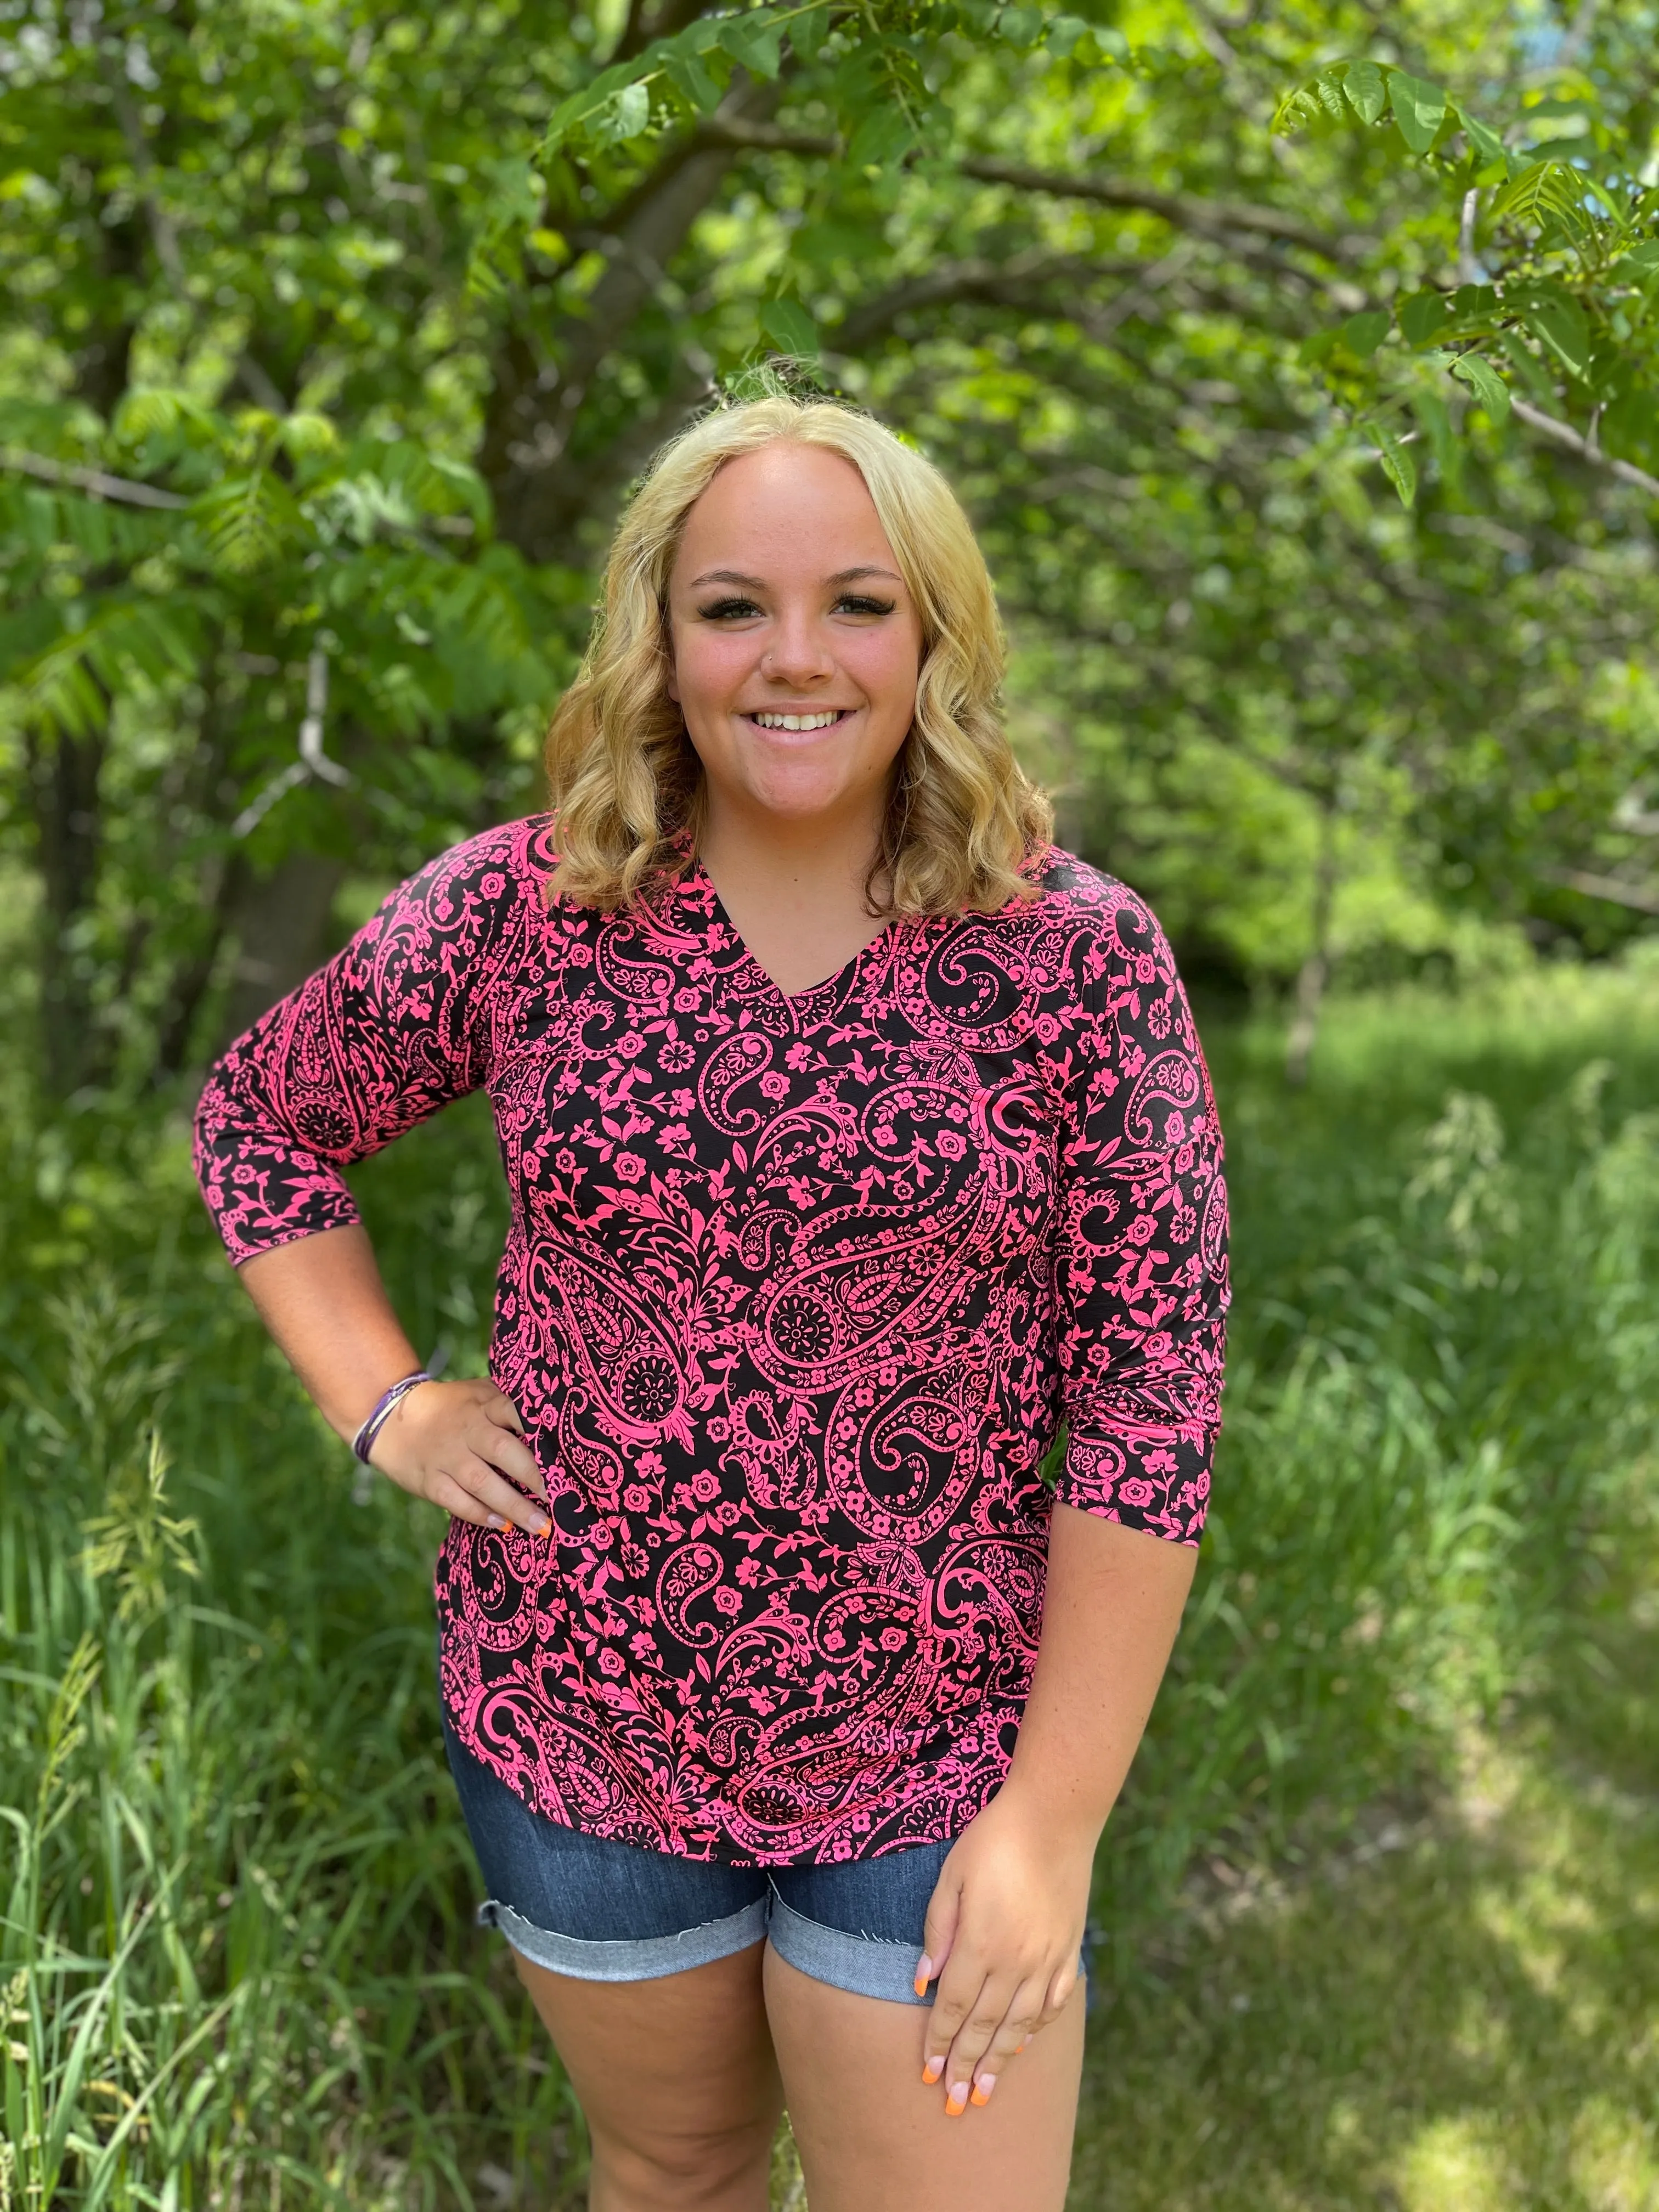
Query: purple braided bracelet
363, 1442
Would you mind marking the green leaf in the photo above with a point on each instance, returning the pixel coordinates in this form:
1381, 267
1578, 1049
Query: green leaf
623, 116
571, 114
756, 41
1363, 84
245, 520
1421, 315
880, 139
1397, 463
1484, 140
1475, 303
1063, 33
808, 32
1557, 320
691, 79
305, 436
1630, 429
1543, 189
790, 328
1328, 91
1362, 334
1019, 27
1420, 109
1435, 417
1527, 368
1484, 381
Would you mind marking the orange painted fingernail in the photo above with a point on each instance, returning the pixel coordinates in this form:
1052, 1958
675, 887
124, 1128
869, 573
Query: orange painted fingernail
544, 1528
982, 2089
931, 2070
957, 2103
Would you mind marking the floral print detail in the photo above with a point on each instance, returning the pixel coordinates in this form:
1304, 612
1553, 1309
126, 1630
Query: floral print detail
795, 1295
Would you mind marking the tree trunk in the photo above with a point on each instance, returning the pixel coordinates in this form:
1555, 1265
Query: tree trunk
1316, 970
283, 926
64, 776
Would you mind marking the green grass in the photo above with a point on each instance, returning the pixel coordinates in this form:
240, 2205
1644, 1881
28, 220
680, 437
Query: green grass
238, 1960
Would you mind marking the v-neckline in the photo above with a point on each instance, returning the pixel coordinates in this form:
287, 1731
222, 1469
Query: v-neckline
699, 875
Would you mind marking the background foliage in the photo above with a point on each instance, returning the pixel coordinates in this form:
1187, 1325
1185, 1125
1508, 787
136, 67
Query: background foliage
335, 333
1299, 366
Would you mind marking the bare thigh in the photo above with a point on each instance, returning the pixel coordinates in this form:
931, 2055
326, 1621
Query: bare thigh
677, 2079
872, 2139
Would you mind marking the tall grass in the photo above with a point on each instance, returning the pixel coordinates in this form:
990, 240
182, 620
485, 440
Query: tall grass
238, 1966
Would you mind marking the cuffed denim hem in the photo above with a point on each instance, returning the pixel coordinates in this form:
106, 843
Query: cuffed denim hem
867, 1965
644, 1958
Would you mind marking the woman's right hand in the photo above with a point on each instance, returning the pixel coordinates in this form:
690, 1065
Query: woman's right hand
455, 1443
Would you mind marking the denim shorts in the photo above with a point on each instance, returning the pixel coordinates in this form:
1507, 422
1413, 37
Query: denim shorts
605, 1912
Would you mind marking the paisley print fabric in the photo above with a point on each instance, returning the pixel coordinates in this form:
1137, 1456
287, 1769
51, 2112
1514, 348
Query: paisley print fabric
795, 1295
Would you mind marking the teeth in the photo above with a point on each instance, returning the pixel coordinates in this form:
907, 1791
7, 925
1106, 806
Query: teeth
799, 721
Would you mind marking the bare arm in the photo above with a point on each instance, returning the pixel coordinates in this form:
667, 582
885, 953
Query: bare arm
454, 1443
1006, 1920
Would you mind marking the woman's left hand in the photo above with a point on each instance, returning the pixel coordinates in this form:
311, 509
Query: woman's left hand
1003, 1931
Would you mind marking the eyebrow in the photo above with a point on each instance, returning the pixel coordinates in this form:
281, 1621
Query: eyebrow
758, 583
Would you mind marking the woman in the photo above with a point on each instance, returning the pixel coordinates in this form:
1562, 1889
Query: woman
855, 1136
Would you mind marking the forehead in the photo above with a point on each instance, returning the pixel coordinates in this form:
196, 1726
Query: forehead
785, 507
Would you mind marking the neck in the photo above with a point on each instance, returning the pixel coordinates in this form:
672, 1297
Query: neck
799, 861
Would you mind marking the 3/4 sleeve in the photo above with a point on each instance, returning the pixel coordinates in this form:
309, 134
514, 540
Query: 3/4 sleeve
1141, 1267
394, 1027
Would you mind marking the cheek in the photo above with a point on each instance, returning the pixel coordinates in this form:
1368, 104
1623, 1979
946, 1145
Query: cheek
709, 665
885, 665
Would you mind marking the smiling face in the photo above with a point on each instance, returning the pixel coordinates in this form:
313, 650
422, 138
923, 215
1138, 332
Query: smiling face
796, 646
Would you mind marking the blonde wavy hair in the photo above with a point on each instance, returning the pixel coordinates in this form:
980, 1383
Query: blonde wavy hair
963, 822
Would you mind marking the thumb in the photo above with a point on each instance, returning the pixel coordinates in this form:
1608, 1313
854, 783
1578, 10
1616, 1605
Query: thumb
938, 1930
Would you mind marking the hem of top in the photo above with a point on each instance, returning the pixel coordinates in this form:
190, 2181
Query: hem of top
746, 1863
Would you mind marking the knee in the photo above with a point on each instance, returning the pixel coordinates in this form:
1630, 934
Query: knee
677, 2169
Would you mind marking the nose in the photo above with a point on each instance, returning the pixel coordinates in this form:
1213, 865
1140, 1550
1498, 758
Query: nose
798, 652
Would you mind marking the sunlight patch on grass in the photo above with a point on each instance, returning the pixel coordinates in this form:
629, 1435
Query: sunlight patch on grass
1455, 2166
1469, 2023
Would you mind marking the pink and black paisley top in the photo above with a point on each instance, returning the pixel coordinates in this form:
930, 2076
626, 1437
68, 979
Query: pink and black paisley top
796, 1294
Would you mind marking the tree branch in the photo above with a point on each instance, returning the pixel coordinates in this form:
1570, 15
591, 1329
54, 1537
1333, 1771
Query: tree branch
93, 481
1564, 434
1185, 210
1021, 282
1644, 897
646, 21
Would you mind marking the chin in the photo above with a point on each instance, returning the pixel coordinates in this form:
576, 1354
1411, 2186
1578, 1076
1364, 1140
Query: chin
798, 797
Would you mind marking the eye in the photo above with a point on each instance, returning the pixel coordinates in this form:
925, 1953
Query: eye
858, 603
728, 610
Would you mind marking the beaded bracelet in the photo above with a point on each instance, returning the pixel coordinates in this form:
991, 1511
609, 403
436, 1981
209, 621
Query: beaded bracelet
363, 1442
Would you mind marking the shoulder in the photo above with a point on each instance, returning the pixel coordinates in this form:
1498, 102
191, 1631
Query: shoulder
1110, 928
462, 912
500, 869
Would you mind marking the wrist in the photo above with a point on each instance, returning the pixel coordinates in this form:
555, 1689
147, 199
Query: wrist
1069, 1826
363, 1437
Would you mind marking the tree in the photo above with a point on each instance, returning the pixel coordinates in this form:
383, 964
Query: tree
336, 338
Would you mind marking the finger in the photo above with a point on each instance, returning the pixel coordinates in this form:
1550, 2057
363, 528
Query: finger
1058, 1995
502, 1411
1018, 2024
459, 1504
494, 1495
960, 1988
939, 1929
971, 2042
502, 1449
